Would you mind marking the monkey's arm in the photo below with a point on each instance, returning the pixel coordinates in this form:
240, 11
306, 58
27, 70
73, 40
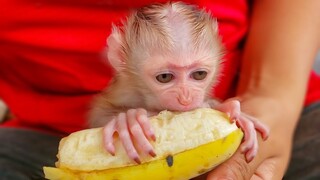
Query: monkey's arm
282, 43
102, 112
119, 97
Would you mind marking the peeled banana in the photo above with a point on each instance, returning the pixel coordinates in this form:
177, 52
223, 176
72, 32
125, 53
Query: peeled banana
187, 144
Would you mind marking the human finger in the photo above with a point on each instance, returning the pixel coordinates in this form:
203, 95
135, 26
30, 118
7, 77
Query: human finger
234, 168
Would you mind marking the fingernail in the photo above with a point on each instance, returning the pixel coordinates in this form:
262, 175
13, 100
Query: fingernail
112, 152
238, 124
153, 137
137, 160
265, 137
249, 158
152, 153
111, 149
244, 149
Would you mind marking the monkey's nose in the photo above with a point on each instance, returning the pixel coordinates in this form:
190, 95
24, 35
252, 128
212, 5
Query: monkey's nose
185, 101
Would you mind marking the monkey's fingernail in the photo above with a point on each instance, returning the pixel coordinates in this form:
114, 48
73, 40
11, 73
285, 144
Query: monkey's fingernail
238, 124
153, 137
244, 149
111, 149
137, 160
152, 153
112, 152
265, 135
249, 158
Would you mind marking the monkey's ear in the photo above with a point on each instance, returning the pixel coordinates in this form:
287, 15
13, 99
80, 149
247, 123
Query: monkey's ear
114, 43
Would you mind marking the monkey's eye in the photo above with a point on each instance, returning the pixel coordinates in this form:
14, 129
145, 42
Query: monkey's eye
164, 78
199, 75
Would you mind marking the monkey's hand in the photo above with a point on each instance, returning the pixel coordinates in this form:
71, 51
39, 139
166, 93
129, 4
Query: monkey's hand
132, 126
248, 124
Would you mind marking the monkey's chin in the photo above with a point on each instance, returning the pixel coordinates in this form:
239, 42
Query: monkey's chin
183, 108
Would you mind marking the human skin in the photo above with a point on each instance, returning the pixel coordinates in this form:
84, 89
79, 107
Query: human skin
282, 43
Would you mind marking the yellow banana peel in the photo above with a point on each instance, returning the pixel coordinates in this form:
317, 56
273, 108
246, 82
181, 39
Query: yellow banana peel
180, 162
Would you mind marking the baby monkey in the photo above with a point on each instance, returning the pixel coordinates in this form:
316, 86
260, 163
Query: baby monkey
166, 57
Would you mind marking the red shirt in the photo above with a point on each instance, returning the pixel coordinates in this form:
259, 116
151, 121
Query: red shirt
50, 56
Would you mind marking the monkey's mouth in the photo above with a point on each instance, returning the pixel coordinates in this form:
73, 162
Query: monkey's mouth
183, 108
187, 109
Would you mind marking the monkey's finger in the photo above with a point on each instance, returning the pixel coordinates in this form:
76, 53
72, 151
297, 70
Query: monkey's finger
142, 118
259, 126
249, 145
108, 131
137, 133
231, 108
126, 138
252, 152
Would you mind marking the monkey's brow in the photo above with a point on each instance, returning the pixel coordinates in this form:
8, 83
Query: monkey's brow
194, 64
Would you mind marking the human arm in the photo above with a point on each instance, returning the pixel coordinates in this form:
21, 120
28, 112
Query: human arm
281, 45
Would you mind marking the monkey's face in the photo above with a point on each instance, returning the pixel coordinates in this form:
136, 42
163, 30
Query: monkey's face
181, 84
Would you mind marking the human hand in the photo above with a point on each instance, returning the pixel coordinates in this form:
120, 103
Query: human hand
270, 163
273, 155
248, 124
263, 167
132, 126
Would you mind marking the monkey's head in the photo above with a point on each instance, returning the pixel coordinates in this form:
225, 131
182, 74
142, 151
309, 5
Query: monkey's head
171, 52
